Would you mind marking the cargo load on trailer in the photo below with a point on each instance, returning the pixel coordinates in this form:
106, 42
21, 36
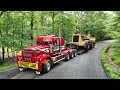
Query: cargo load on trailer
82, 42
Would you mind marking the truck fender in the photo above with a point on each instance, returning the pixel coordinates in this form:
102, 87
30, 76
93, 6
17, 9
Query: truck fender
66, 52
43, 58
69, 51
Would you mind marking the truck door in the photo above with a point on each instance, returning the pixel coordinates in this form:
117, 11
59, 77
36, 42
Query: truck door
56, 46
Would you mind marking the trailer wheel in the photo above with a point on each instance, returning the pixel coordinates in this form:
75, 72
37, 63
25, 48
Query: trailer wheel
67, 57
91, 46
86, 48
46, 68
72, 55
75, 54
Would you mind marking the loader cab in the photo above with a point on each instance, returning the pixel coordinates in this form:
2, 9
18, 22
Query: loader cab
76, 38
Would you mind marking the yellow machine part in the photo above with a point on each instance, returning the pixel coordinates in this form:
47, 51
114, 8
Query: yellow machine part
81, 42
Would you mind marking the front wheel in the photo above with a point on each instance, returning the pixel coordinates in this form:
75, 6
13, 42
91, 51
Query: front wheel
37, 72
47, 67
21, 69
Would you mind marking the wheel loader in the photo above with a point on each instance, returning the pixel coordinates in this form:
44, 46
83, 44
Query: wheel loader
82, 42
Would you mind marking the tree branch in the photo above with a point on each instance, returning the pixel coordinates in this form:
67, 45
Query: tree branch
1, 12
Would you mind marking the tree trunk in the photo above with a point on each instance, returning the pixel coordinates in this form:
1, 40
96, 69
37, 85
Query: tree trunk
42, 18
53, 15
75, 18
1, 60
0, 47
22, 30
8, 52
3, 55
7, 34
1, 13
31, 27
63, 31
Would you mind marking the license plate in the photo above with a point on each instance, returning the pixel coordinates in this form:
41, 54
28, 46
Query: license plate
28, 65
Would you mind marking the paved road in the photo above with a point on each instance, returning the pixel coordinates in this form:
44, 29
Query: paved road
85, 66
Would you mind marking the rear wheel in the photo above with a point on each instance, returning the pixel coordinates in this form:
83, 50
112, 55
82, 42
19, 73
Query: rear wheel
86, 48
47, 67
72, 55
67, 57
75, 54
91, 46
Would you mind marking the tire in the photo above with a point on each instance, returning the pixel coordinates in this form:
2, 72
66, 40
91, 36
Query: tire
21, 69
67, 57
37, 72
46, 68
86, 48
75, 54
91, 46
72, 55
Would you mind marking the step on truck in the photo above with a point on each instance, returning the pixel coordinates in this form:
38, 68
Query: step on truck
47, 51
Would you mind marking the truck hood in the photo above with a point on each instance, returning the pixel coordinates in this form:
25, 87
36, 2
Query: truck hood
37, 47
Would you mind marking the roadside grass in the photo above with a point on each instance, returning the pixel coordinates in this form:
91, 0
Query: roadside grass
7, 65
110, 70
115, 52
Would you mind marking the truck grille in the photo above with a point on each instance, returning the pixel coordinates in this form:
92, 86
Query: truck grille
28, 59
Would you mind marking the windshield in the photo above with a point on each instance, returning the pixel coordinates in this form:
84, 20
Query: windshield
43, 43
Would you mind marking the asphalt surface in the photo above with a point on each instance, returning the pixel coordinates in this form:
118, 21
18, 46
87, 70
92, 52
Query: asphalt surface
85, 66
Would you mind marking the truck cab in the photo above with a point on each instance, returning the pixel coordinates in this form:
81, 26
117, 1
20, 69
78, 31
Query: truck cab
47, 51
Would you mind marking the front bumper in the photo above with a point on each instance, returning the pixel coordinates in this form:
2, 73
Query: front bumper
35, 66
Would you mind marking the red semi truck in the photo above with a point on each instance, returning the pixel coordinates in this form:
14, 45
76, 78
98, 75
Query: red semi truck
47, 51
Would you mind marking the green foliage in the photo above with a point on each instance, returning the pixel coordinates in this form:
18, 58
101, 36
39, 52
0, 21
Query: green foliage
15, 26
15, 29
115, 52
111, 71
7, 66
